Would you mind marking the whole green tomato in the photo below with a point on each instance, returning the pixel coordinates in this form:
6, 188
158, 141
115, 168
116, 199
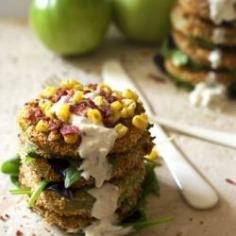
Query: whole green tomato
70, 27
143, 20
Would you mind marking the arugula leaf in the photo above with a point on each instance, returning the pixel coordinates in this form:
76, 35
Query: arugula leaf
11, 167
150, 184
37, 191
15, 180
20, 191
72, 175
147, 223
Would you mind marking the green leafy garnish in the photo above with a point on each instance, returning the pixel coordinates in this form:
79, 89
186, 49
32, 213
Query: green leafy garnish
11, 167
137, 219
29, 150
20, 191
72, 175
150, 184
15, 180
147, 223
36, 192
179, 58
29, 159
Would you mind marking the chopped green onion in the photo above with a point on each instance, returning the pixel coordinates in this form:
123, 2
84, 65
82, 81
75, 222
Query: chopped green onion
147, 223
72, 175
179, 58
20, 191
37, 191
11, 167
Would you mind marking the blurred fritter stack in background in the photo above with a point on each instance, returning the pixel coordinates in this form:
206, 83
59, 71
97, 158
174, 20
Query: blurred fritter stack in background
203, 53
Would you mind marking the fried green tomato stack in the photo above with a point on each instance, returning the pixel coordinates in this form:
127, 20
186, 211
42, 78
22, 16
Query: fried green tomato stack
204, 42
50, 144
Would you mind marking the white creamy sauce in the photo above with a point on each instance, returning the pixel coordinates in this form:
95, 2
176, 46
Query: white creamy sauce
104, 210
215, 58
219, 36
96, 142
222, 10
205, 93
106, 201
105, 228
56, 106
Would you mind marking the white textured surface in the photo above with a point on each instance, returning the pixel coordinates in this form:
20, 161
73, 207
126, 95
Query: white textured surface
14, 8
25, 65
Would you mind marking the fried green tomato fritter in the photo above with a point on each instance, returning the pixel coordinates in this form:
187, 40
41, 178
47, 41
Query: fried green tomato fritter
45, 121
122, 164
62, 211
191, 77
204, 30
202, 56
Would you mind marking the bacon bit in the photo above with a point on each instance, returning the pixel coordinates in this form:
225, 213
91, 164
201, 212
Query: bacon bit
34, 114
87, 91
106, 112
111, 99
230, 181
80, 108
156, 78
69, 95
54, 124
108, 97
103, 93
69, 129
60, 92
92, 86
19, 233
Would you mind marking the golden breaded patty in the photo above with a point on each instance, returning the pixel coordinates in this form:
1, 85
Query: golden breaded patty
67, 223
193, 77
75, 223
122, 164
82, 202
63, 211
202, 55
195, 27
48, 148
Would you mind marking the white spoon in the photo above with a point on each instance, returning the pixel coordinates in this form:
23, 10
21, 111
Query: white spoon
193, 187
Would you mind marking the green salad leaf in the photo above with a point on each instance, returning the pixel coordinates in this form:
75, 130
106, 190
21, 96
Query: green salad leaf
72, 175
140, 225
15, 180
11, 167
150, 184
36, 192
